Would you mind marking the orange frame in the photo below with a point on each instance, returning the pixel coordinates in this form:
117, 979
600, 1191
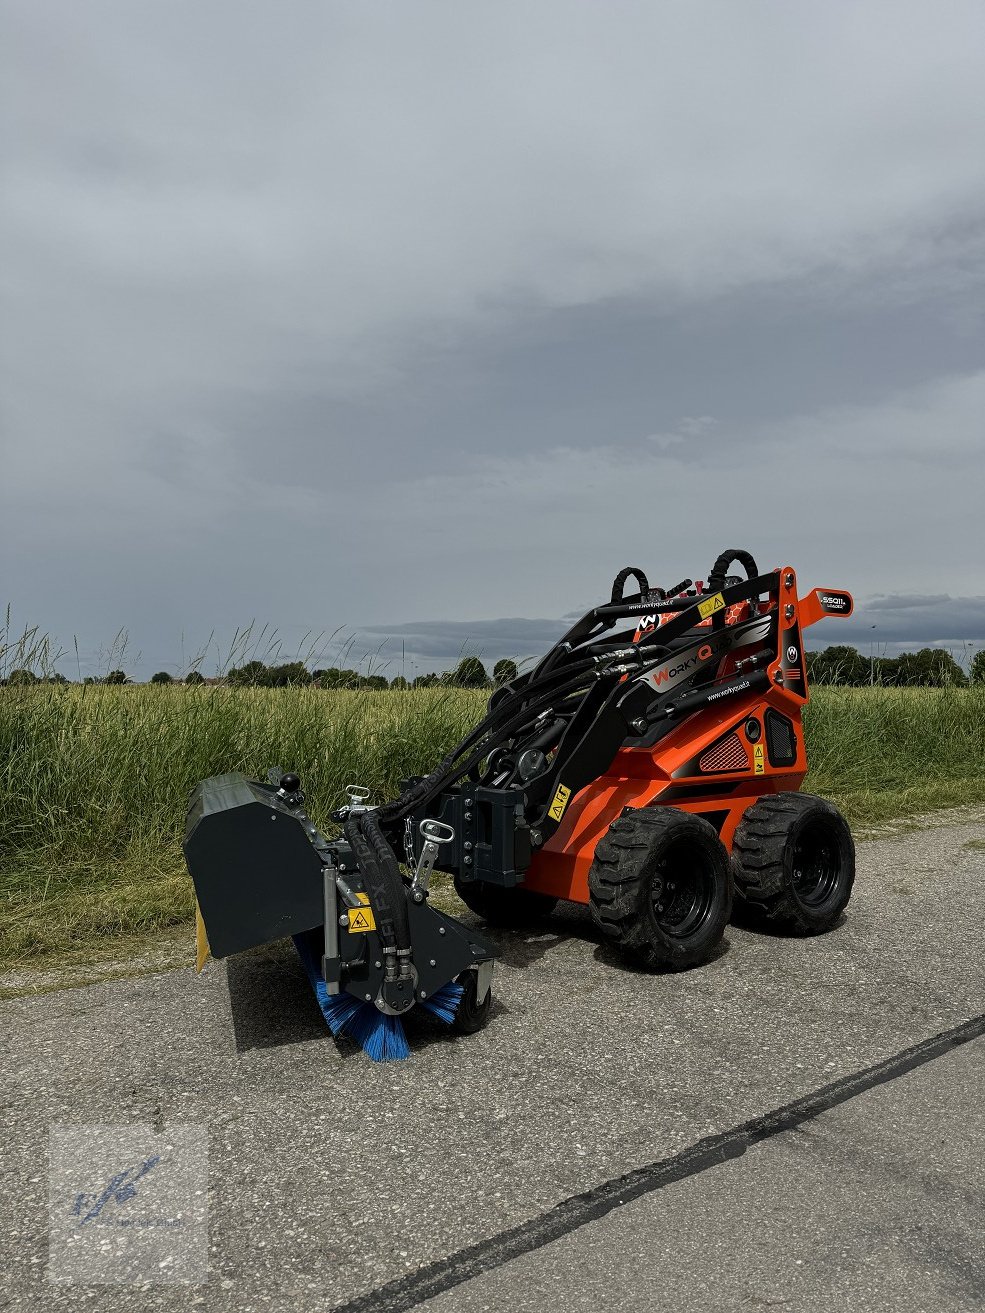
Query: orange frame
639, 777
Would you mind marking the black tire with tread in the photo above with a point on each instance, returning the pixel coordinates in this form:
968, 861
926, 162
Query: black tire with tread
511, 908
471, 1016
628, 875
793, 861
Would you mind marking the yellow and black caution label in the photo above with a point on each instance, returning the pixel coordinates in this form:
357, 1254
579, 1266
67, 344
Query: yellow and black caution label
710, 605
758, 759
556, 810
361, 918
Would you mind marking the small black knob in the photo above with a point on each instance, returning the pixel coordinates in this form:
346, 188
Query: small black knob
290, 784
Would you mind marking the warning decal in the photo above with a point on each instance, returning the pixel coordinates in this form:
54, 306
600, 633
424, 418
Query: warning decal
710, 605
557, 807
361, 918
759, 765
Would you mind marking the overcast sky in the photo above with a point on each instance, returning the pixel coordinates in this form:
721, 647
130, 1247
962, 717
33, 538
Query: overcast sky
397, 319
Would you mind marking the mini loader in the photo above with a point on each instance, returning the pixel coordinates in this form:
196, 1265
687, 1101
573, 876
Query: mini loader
647, 766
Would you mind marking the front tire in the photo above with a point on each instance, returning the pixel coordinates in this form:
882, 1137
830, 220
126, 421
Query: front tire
661, 888
793, 860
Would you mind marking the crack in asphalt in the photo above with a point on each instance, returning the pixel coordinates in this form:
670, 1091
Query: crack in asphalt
579, 1210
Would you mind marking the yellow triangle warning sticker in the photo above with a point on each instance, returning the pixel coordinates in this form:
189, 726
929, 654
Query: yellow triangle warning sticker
710, 605
556, 809
759, 764
361, 920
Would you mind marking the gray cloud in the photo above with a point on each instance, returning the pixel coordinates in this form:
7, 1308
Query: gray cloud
912, 622
336, 317
909, 622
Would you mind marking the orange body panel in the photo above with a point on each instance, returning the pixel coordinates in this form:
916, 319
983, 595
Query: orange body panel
671, 771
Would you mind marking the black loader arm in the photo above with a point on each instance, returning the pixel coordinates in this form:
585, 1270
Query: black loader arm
629, 669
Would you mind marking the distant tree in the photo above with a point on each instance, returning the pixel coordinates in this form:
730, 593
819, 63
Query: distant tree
291, 674
116, 677
885, 671
399, 683
930, 667
427, 681
373, 681
333, 677
253, 675
838, 665
56, 678
978, 667
162, 677
504, 672
90, 679
22, 677
470, 673
194, 677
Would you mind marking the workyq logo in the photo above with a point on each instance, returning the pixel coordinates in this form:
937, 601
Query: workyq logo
675, 671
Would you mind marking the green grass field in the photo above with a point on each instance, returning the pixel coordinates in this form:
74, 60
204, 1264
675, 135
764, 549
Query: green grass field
95, 780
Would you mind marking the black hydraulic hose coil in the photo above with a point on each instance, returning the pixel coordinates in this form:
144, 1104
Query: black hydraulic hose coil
381, 880
444, 775
620, 580
719, 570
502, 721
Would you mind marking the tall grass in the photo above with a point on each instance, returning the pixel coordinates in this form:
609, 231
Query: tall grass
93, 780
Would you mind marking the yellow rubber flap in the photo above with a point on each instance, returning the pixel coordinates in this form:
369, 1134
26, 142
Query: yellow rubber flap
201, 940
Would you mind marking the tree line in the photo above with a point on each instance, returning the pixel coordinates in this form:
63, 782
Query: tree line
931, 667
469, 673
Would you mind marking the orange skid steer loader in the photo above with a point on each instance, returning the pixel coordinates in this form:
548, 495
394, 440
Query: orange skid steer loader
647, 766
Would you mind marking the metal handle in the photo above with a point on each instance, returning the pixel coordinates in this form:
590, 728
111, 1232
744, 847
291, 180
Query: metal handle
434, 834
357, 794
436, 831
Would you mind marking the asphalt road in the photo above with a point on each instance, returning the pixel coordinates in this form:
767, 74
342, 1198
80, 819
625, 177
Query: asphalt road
742, 1136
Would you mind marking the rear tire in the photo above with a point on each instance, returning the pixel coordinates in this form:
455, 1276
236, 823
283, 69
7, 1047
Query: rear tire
793, 859
514, 908
661, 888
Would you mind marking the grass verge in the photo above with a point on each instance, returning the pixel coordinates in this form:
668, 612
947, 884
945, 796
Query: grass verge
94, 783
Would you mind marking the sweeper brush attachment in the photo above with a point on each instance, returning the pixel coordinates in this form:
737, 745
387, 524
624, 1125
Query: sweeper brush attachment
647, 766
370, 942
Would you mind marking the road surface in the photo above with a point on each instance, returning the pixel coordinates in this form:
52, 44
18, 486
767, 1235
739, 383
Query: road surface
797, 1125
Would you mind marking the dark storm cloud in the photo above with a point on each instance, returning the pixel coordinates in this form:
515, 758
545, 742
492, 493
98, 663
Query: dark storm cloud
902, 622
442, 643
912, 622
338, 316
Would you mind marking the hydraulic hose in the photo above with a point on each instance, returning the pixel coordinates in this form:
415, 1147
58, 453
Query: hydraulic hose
718, 571
448, 771
497, 722
381, 879
631, 571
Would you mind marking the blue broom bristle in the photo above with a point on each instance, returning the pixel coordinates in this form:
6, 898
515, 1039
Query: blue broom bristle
444, 1002
337, 1009
380, 1035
